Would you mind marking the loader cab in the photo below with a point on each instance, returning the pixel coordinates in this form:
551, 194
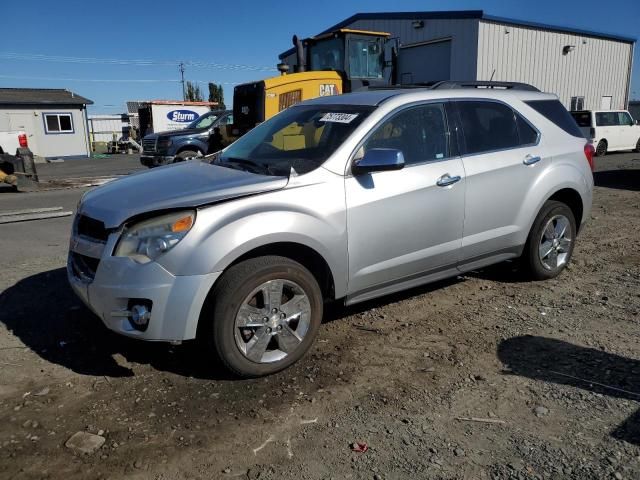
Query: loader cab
358, 55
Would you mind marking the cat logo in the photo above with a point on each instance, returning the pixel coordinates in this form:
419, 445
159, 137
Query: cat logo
327, 89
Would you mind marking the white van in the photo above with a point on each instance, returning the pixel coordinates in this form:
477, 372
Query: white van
609, 130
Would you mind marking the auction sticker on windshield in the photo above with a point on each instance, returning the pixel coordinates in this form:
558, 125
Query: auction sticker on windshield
339, 117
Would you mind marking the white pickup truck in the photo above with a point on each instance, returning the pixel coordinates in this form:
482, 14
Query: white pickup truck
10, 141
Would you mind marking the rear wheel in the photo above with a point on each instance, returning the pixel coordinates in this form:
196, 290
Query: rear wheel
551, 241
186, 155
601, 149
265, 315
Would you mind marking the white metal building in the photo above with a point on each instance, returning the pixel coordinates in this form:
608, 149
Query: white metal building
587, 70
55, 120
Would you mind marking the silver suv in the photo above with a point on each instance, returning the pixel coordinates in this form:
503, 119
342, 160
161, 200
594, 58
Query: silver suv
348, 197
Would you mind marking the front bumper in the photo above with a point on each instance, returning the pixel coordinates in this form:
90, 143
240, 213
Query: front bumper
176, 300
152, 160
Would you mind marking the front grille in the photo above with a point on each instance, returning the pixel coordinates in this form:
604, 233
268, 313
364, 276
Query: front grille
91, 228
84, 267
289, 98
149, 145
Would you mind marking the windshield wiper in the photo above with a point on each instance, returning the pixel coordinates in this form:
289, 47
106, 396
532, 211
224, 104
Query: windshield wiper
250, 165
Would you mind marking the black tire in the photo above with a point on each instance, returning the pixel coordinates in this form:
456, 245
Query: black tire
601, 149
228, 295
185, 155
637, 149
531, 260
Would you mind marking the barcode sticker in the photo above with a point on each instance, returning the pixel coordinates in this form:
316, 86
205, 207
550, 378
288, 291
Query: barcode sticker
338, 117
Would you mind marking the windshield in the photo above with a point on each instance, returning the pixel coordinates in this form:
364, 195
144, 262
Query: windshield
301, 137
204, 121
365, 57
327, 55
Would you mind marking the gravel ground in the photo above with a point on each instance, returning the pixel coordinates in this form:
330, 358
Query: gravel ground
482, 376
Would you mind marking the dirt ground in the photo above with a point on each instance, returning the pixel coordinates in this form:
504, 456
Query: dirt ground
552, 370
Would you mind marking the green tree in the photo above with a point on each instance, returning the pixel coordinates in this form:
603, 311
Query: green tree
216, 94
193, 92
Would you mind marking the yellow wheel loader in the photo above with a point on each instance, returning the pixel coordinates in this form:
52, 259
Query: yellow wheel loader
330, 64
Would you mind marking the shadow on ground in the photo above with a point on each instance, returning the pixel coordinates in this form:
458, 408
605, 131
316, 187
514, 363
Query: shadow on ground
563, 363
620, 179
45, 314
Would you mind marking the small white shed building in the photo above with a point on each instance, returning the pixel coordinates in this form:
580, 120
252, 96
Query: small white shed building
55, 120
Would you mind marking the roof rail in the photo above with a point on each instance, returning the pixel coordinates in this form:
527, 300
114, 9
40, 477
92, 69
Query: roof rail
454, 84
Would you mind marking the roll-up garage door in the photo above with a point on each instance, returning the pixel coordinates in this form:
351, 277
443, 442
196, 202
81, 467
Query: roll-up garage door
427, 62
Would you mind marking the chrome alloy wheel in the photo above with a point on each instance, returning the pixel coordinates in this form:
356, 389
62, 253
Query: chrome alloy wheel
272, 321
555, 242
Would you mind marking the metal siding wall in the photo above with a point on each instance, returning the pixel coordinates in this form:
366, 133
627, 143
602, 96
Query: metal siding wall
596, 68
464, 34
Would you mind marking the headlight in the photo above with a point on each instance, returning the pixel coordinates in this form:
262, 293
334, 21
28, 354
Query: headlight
147, 240
164, 142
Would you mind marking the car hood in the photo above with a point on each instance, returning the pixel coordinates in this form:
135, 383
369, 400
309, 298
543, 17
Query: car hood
186, 184
176, 133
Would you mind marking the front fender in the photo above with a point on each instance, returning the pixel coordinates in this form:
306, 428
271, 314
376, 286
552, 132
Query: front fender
189, 144
222, 233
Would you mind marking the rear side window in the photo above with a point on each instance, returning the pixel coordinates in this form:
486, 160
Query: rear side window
583, 119
607, 119
488, 126
556, 113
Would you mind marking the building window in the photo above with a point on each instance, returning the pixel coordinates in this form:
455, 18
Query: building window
55, 123
577, 103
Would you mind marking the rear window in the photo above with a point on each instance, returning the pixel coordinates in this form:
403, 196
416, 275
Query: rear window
556, 113
583, 119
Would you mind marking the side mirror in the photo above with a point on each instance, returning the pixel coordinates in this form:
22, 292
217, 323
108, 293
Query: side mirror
379, 160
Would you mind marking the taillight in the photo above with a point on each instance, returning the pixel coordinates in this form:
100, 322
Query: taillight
22, 140
589, 152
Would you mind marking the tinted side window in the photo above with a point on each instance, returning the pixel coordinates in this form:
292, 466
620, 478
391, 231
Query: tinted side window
488, 126
606, 119
419, 132
528, 134
556, 113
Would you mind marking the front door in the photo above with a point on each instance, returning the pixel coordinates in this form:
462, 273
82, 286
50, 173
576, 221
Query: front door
404, 225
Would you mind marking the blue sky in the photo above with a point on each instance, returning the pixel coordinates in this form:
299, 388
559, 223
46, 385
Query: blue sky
249, 33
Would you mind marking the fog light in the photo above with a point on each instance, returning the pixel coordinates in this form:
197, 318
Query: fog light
140, 315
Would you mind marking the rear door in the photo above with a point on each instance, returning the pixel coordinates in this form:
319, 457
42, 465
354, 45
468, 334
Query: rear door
501, 160
406, 224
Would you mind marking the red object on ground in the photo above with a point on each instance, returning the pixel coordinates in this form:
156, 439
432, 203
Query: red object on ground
359, 447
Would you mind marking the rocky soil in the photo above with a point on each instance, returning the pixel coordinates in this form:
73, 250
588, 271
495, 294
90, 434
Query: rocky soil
485, 376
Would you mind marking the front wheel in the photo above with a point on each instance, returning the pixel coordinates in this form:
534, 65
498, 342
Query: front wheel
186, 155
265, 315
551, 241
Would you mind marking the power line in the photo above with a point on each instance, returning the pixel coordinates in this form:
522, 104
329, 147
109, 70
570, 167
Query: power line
107, 80
138, 62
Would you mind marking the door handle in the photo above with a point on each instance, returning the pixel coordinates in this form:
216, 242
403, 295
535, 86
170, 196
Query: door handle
446, 180
530, 160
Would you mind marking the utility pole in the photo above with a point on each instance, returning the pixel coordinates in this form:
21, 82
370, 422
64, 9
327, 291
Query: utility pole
184, 93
